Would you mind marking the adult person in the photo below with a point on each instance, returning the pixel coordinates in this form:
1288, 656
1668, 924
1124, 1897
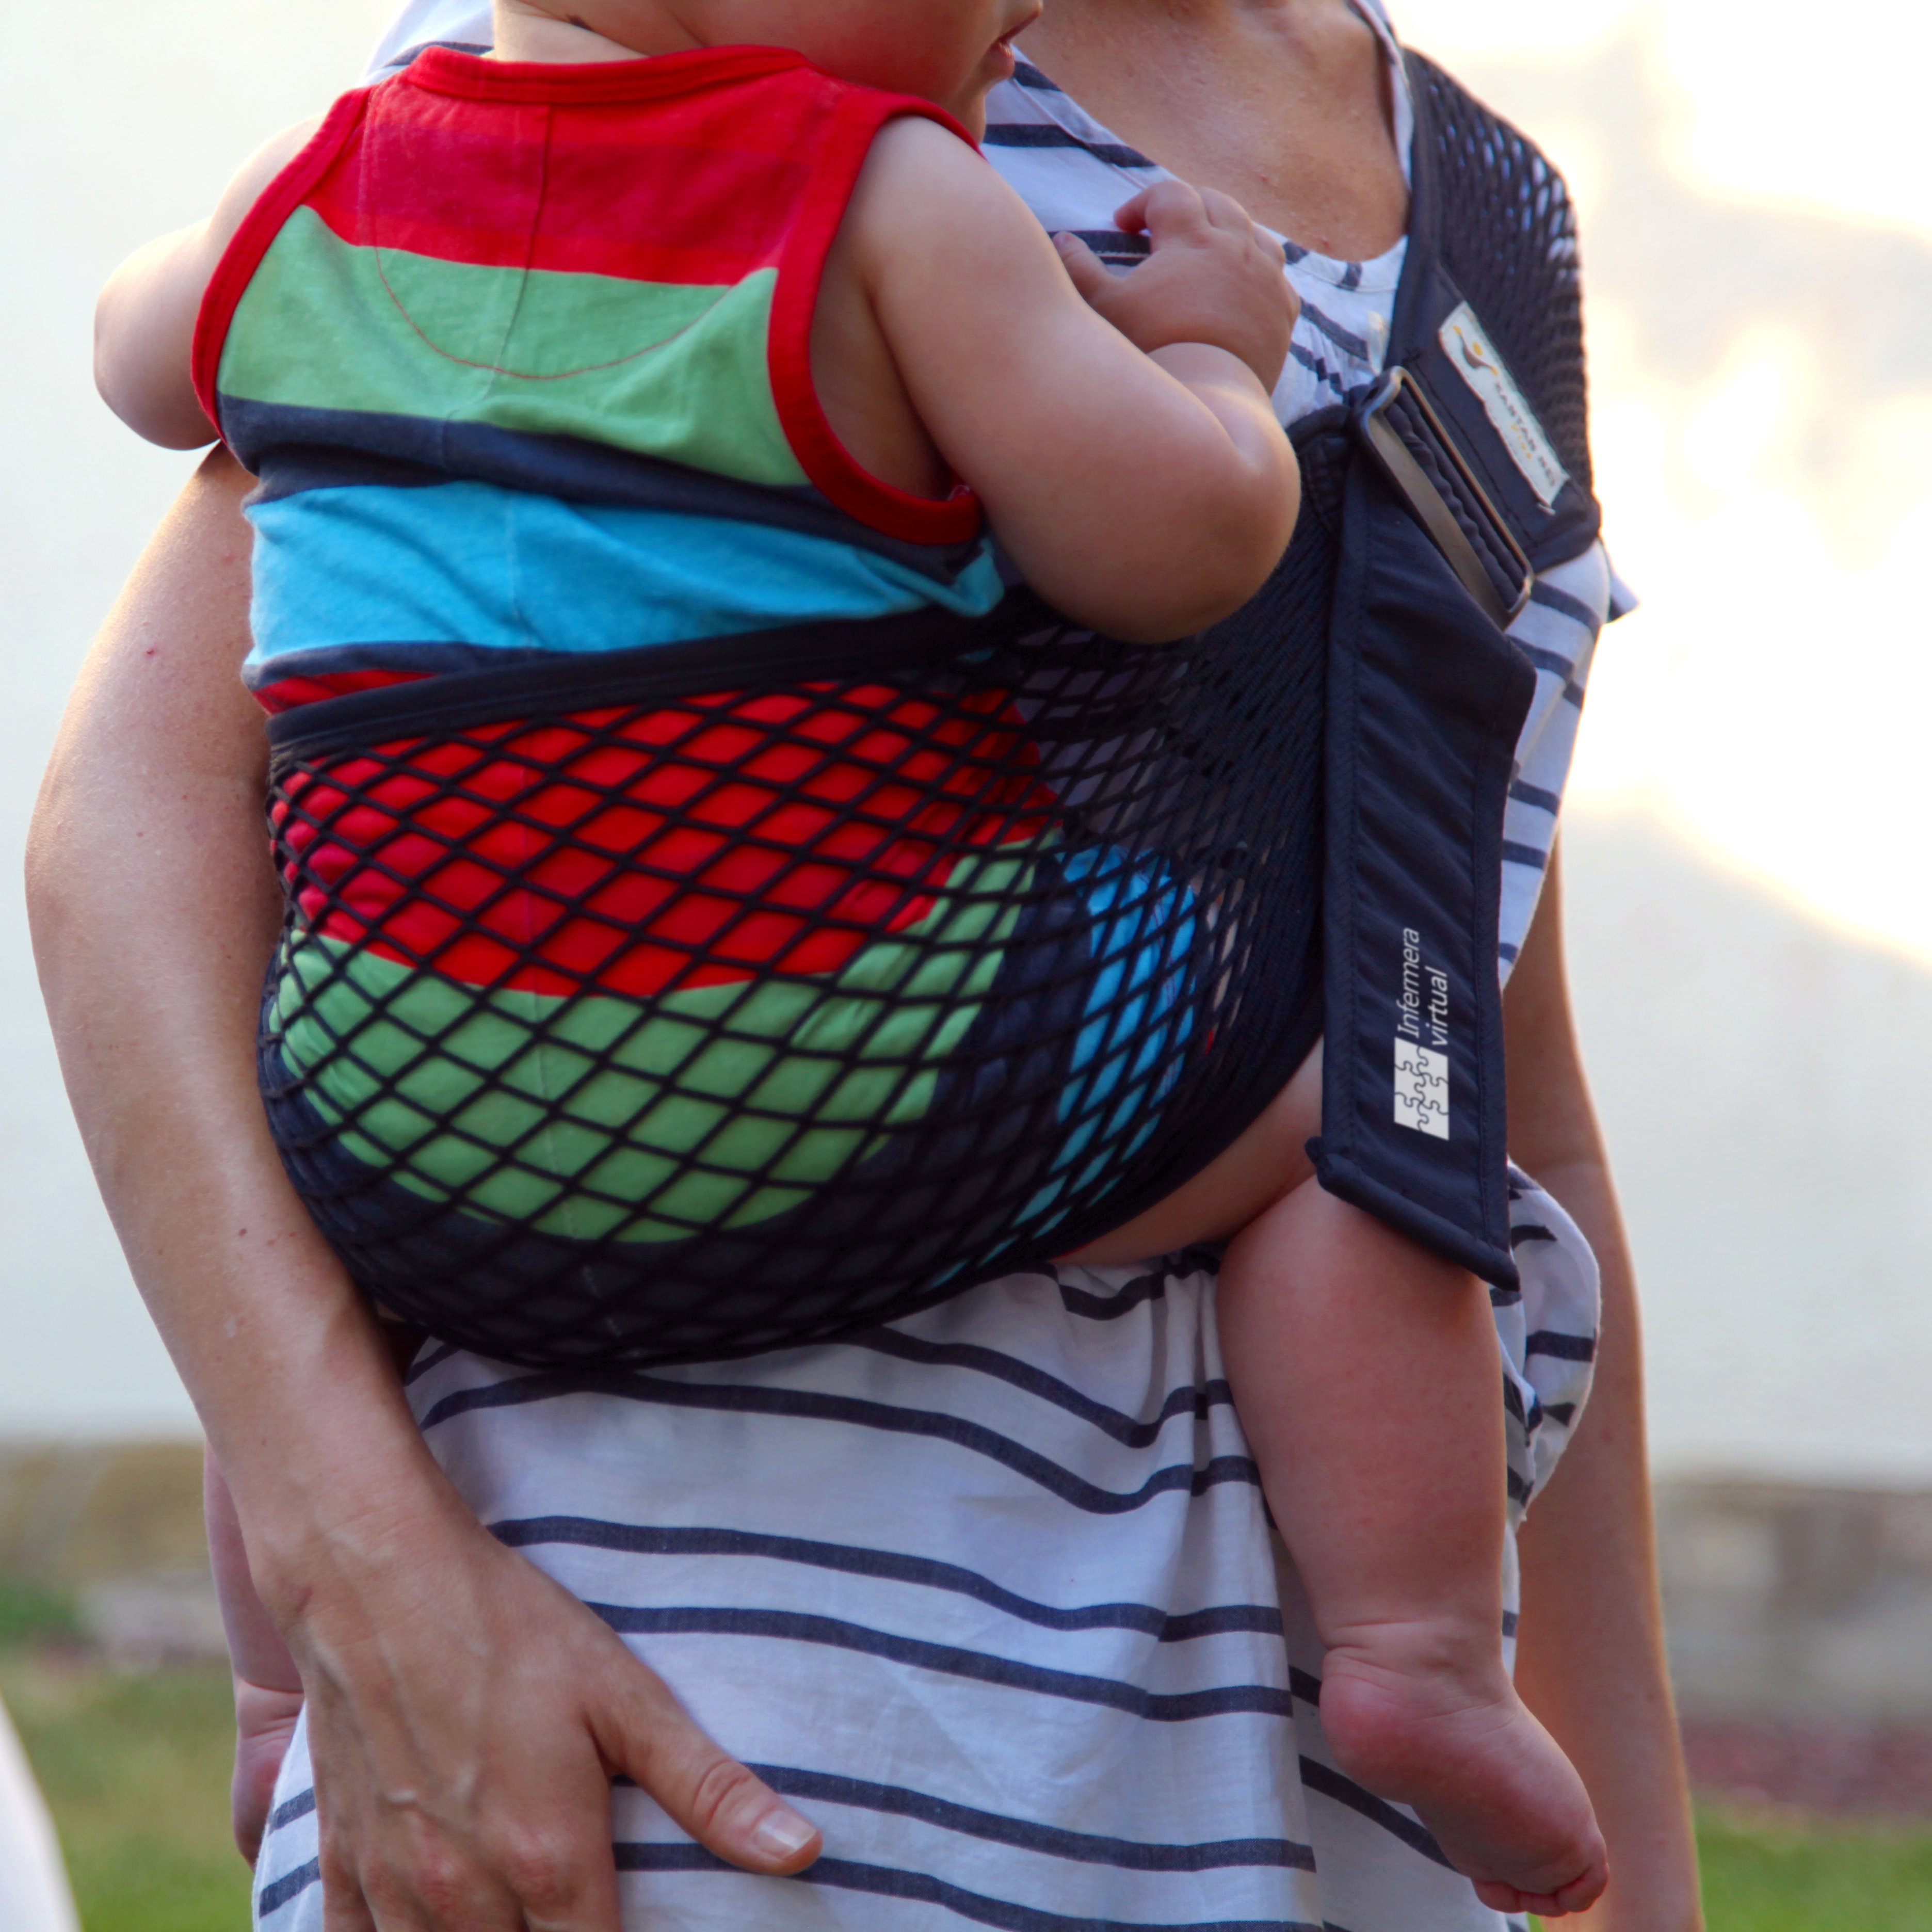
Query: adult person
936, 1584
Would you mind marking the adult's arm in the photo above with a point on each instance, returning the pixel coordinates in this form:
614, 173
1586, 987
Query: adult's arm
1591, 1661
466, 1714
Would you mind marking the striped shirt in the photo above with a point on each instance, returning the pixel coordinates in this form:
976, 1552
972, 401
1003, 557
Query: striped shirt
991, 1592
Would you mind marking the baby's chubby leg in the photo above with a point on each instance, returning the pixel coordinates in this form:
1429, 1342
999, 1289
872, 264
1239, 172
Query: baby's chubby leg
1365, 1372
1268, 1160
1366, 1376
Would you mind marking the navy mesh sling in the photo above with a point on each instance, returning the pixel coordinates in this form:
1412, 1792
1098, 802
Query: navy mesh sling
733, 995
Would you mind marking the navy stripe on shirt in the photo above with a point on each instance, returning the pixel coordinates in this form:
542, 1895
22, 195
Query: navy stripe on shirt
886, 1565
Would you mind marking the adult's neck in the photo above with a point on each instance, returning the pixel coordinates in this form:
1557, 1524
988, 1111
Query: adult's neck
1295, 34
1283, 103
1286, 18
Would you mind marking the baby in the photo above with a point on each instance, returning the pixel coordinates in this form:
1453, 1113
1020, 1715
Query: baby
918, 346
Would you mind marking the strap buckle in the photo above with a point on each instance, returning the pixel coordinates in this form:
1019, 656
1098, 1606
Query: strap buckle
1400, 428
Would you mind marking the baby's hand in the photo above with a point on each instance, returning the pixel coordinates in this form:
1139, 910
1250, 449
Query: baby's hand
1213, 277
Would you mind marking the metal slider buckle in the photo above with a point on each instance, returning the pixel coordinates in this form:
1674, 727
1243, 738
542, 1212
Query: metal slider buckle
1500, 600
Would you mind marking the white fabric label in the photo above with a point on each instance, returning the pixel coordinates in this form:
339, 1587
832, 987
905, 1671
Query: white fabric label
1477, 361
1421, 1089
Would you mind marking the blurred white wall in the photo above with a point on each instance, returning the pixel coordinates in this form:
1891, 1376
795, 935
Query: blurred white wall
1751, 910
118, 121
1752, 916
1758, 1071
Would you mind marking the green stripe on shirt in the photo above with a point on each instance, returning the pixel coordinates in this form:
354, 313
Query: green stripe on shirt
674, 371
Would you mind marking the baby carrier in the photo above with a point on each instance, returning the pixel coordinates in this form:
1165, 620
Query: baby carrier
729, 992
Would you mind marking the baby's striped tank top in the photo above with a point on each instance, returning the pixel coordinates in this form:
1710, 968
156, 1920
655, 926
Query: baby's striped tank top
701, 930
521, 355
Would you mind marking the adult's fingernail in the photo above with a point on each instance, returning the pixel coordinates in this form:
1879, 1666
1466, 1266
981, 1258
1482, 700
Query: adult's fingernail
782, 1833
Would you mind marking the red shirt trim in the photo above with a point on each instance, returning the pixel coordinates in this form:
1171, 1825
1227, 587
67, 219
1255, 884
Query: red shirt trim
860, 113
542, 83
854, 116
251, 240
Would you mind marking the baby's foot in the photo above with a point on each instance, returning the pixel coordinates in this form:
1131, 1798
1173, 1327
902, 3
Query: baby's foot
1456, 1742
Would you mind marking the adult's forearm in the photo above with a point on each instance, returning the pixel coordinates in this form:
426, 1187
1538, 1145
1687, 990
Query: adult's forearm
1591, 1660
154, 910
466, 1714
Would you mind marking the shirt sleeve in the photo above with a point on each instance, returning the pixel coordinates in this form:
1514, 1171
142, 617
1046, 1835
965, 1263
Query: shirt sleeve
1557, 631
462, 23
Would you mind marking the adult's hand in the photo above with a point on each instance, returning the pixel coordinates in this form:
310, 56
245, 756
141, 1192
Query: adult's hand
467, 1714
265, 1723
465, 1718
529, 1806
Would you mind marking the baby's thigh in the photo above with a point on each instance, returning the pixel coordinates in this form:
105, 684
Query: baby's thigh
1268, 1161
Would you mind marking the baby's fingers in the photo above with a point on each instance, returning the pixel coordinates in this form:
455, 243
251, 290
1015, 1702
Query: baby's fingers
1224, 212
1130, 217
1164, 211
1171, 208
1085, 269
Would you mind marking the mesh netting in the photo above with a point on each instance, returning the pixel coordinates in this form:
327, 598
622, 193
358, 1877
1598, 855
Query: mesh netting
1509, 239
704, 1020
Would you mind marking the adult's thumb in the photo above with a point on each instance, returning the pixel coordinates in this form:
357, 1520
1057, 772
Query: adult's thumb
647, 1734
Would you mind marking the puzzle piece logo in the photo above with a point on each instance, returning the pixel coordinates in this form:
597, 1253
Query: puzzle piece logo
1421, 1089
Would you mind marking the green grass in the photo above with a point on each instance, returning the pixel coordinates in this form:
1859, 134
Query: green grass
136, 1771
31, 1613
135, 1767
1775, 1874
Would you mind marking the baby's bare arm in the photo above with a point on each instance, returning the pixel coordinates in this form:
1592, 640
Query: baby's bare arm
1146, 495
1212, 276
144, 323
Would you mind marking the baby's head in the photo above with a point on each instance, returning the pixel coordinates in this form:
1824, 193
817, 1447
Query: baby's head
947, 51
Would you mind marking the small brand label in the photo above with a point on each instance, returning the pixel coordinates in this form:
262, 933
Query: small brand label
1476, 360
1421, 1089
1421, 1043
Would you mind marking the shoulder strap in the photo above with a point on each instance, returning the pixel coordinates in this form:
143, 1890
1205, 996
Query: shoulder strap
1488, 333
1506, 232
1473, 473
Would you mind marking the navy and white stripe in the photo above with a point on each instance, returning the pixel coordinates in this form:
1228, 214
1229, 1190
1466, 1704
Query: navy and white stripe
1073, 173
991, 1591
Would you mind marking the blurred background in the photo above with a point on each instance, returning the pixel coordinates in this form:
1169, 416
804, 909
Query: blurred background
1751, 908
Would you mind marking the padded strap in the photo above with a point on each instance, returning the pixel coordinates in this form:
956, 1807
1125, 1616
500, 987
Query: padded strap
1459, 495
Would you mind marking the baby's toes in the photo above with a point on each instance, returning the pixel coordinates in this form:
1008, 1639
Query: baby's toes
1577, 1897
1579, 1894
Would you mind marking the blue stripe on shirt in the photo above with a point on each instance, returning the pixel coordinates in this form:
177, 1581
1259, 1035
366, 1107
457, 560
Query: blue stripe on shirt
472, 564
